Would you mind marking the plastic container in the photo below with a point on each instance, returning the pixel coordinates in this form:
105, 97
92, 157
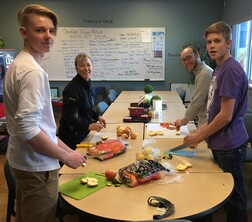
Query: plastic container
136, 111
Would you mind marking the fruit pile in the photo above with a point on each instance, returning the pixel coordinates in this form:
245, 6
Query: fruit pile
149, 153
126, 132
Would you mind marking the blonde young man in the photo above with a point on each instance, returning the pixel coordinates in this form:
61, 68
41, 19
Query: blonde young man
33, 149
203, 75
227, 103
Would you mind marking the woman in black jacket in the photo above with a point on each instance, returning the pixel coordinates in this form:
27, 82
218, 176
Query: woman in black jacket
78, 116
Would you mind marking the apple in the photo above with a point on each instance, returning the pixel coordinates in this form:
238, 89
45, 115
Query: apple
110, 174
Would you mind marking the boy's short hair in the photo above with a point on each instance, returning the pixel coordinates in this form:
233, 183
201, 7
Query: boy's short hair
23, 14
219, 27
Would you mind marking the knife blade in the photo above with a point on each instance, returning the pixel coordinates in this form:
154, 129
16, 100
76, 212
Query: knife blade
97, 154
180, 147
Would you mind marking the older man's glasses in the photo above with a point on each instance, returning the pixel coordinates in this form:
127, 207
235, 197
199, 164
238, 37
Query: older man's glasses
187, 58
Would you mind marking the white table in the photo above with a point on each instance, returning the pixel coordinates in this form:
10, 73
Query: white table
201, 190
196, 195
134, 96
117, 111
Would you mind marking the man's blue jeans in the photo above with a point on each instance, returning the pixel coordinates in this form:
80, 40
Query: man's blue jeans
232, 161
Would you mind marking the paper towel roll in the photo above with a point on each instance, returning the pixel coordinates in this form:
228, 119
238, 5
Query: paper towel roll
157, 105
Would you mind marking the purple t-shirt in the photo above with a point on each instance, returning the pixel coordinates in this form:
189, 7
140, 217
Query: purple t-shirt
229, 80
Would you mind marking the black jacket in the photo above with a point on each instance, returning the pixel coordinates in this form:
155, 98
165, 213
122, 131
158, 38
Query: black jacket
77, 111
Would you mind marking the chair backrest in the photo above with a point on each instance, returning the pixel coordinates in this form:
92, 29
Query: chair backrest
113, 91
8, 176
12, 191
3, 141
247, 119
111, 97
101, 107
182, 93
99, 94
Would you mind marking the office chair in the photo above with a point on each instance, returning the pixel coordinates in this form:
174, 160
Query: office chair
65, 208
11, 192
182, 93
247, 119
3, 141
99, 94
113, 91
101, 107
111, 97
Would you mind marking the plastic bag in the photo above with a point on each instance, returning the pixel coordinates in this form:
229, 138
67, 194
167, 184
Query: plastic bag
111, 148
148, 152
142, 172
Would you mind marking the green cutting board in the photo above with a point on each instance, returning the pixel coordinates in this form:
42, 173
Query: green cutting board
76, 190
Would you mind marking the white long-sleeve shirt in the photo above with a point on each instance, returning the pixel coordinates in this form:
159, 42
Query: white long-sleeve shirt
28, 109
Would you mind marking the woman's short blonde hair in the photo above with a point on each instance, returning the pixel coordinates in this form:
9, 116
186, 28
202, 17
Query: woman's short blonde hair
80, 57
34, 9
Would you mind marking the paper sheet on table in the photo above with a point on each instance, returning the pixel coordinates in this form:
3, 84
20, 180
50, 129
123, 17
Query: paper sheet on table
168, 133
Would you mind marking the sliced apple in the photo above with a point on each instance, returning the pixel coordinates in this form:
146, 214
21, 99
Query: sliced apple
104, 137
181, 167
160, 132
188, 164
83, 180
92, 182
178, 133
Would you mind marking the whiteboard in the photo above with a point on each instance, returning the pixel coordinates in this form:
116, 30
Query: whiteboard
132, 54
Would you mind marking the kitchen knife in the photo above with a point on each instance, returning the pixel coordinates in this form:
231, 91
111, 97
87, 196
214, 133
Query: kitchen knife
180, 147
95, 155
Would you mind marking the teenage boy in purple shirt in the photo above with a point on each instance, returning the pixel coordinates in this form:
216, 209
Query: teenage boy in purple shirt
227, 102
